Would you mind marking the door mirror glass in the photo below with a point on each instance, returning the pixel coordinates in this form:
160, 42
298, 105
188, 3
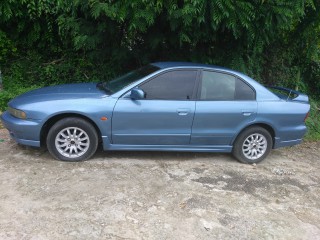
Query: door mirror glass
137, 93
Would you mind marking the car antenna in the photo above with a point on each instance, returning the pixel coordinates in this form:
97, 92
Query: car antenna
289, 94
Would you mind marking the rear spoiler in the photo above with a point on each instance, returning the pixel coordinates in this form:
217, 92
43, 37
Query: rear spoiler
290, 94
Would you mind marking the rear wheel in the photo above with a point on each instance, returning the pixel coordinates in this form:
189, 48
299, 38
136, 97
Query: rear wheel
72, 139
252, 145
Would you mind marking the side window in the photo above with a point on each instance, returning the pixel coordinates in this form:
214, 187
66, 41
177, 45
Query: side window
243, 91
224, 87
217, 86
174, 85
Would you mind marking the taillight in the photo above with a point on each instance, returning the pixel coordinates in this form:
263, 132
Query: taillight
307, 115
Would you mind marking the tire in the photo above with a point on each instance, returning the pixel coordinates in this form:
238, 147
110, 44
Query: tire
252, 145
72, 139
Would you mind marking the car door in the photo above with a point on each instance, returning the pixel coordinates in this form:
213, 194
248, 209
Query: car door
163, 117
224, 106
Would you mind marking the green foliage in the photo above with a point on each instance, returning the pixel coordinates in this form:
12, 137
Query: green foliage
313, 122
7, 48
225, 32
312, 78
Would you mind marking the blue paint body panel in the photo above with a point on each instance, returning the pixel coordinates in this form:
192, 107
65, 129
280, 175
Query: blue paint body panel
217, 122
154, 122
166, 125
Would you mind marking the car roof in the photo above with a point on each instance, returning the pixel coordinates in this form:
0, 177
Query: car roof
164, 65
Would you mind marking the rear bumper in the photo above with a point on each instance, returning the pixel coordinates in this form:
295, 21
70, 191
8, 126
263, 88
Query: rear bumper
290, 137
26, 132
278, 143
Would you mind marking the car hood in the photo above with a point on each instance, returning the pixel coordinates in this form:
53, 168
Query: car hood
60, 92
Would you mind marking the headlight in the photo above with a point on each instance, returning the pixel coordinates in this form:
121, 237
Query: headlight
17, 113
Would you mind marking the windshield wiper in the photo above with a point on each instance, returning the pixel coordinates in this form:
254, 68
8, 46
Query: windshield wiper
103, 85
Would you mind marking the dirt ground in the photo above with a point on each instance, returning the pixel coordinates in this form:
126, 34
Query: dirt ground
159, 195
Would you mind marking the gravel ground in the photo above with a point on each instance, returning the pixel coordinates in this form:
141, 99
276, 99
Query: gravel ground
158, 195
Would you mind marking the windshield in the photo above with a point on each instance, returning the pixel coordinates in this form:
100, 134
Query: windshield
125, 80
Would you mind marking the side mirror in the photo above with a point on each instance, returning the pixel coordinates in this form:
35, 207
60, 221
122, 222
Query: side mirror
137, 93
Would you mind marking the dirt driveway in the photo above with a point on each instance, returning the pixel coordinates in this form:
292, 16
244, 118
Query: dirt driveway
140, 195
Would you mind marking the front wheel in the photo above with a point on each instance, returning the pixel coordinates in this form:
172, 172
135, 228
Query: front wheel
72, 139
252, 145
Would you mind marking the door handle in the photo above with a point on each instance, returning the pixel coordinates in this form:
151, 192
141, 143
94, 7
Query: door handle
183, 111
246, 113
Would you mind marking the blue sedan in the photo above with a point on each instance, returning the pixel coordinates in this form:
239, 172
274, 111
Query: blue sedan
165, 106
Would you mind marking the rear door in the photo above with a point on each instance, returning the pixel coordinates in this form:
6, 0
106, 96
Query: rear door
224, 106
164, 117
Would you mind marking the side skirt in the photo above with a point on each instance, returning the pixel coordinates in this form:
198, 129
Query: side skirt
179, 148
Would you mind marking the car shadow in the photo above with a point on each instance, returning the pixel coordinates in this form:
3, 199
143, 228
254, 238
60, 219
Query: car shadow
101, 155
159, 155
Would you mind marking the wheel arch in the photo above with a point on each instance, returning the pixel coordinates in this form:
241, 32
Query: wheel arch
266, 126
52, 120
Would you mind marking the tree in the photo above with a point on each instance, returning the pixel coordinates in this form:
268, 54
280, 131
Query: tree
96, 39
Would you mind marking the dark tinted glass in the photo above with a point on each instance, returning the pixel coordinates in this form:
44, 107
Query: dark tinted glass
174, 85
217, 86
243, 91
224, 87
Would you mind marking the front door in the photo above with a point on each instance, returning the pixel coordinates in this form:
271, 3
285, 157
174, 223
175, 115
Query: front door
163, 117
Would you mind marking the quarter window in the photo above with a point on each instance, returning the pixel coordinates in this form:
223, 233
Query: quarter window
224, 87
174, 85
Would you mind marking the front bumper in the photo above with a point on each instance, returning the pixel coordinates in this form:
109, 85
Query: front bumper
23, 131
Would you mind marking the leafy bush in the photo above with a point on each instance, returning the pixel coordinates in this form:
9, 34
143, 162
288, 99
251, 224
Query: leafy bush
313, 79
313, 122
7, 48
12, 87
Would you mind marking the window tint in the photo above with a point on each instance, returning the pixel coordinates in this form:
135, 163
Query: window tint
220, 86
217, 86
243, 91
175, 85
